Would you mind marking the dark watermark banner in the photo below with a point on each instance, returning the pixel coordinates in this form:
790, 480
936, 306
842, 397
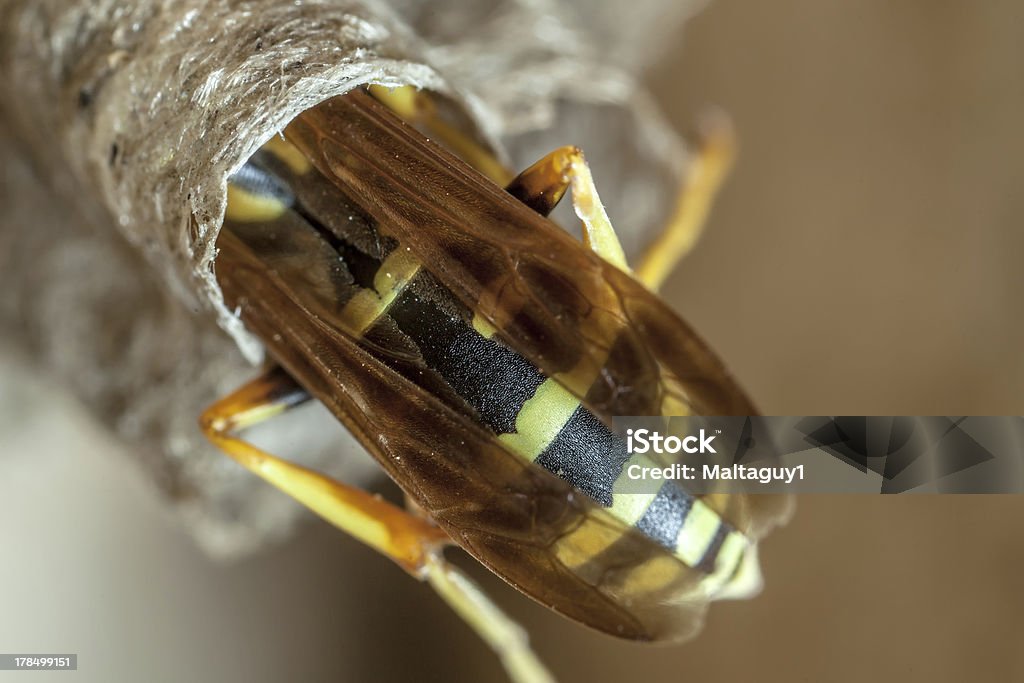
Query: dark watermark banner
875, 454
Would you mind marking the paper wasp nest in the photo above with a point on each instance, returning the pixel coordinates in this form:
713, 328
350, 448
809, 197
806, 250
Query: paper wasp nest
122, 121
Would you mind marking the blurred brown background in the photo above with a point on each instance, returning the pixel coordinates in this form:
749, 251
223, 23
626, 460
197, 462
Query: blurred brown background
863, 260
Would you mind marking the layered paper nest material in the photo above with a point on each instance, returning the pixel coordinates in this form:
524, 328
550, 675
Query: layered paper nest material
122, 121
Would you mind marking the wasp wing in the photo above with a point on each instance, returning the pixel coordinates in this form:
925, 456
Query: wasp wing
598, 331
528, 526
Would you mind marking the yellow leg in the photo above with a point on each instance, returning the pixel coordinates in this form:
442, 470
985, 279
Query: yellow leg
407, 538
388, 529
715, 154
542, 185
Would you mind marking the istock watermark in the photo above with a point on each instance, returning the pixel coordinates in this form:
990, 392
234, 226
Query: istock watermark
815, 454
644, 440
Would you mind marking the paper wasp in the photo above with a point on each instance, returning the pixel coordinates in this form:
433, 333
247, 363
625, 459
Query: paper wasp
479, 352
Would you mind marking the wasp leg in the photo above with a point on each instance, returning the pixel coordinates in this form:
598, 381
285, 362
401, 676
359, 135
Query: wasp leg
716, 151
406, 537
542, 185
507, 638
417, 108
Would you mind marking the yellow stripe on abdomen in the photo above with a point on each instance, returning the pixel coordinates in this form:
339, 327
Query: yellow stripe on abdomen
394, 274
697, 533
541, 419
247, 207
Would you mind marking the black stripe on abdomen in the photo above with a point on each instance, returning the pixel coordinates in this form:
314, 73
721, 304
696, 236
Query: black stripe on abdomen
489, 376
587, 455
666, 514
